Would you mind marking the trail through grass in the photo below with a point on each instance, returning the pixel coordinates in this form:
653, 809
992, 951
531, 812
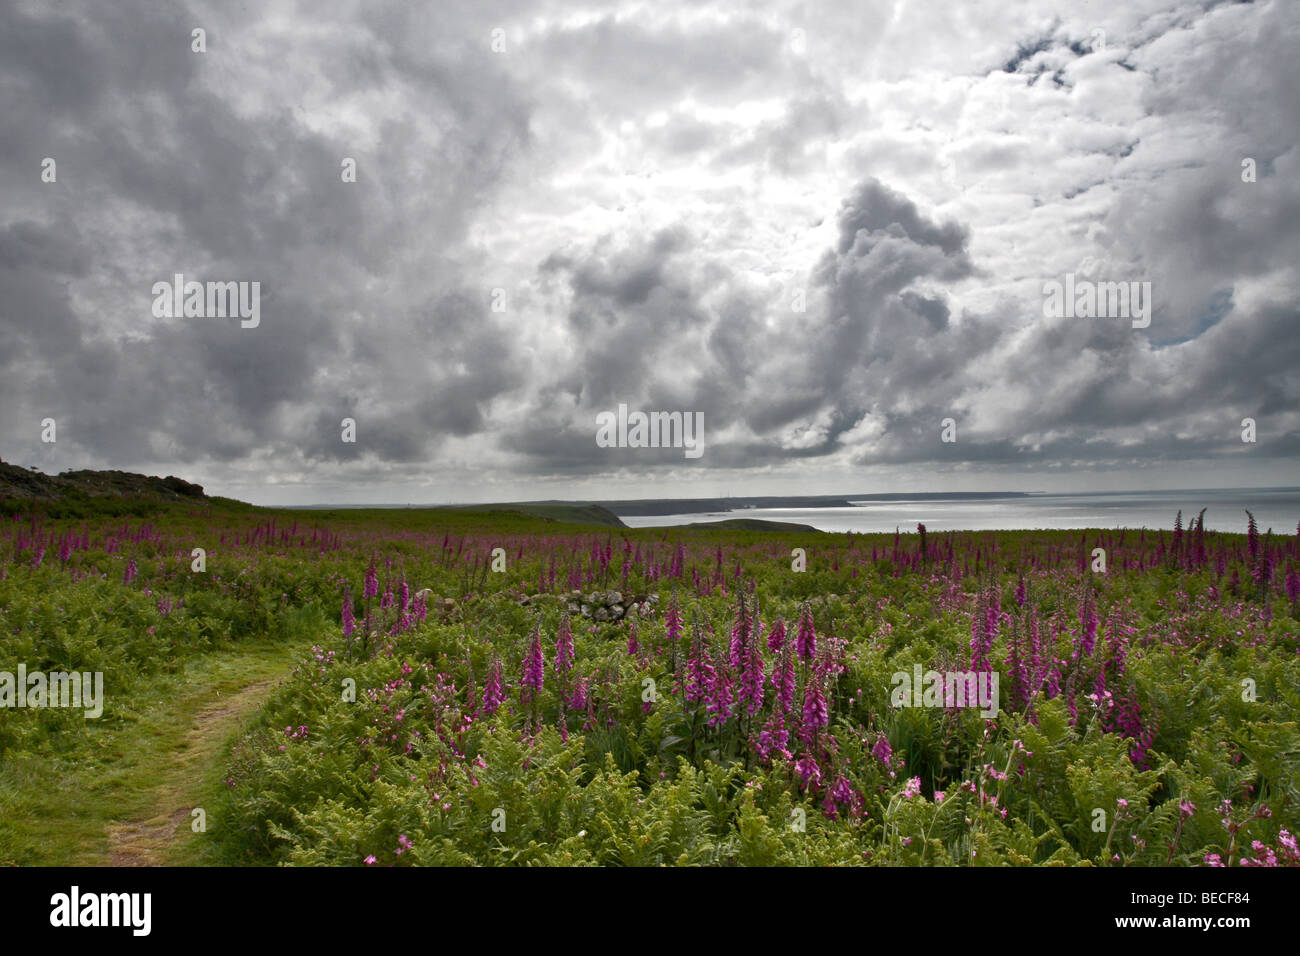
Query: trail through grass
124, 797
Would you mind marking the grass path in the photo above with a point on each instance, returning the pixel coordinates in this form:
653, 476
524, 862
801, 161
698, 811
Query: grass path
124, 796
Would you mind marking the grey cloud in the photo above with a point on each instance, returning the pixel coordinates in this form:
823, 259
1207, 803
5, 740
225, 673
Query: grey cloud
642, 181
189, 181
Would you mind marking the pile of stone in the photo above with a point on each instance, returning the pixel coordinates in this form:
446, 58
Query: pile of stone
610, 605
442, 607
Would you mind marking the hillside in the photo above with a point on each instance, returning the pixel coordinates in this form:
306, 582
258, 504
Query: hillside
564, 512
16, 482
755, 524
83, 493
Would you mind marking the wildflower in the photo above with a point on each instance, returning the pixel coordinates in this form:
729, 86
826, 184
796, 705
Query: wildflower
719, 699
912, 788
1088, 625
370, 860
699, 666
564, 646
740, 633
815, 714
578, 699
773, 738
984, 628
534, 663
806, 641
349, 621
783, 679
1187, 808
808, 771
1293, 585
751, 677
1264, 855
673, 620
776, 636
882, 751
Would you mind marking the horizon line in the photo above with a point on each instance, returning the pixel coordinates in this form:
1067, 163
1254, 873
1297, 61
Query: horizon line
898, 496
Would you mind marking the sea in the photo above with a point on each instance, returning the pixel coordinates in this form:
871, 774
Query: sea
1276, 508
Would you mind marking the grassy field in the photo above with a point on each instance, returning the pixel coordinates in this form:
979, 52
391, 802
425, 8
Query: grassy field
586, 694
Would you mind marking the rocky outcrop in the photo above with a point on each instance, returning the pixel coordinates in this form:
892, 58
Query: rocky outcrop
18, 482
610, 605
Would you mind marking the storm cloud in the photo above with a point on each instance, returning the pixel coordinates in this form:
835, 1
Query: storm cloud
827, 230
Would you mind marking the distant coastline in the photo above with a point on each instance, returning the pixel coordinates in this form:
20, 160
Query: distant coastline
649, 507
644, 507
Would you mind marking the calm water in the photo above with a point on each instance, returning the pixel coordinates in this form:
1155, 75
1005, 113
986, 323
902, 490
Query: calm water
1225, 511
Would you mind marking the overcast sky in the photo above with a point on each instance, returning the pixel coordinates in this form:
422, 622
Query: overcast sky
651, 187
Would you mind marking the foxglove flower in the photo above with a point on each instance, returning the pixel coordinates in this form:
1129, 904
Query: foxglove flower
774, 738
578, 699
564, 646
534, 663
719, 699
806, 640
493, 694
699, 665
776, 636
1087, 625
673, 620
815, 714
349, 621
751, 680
882, 751
808, 772
783, 679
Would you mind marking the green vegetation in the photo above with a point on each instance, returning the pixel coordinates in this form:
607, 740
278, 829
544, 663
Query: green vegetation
716, 707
